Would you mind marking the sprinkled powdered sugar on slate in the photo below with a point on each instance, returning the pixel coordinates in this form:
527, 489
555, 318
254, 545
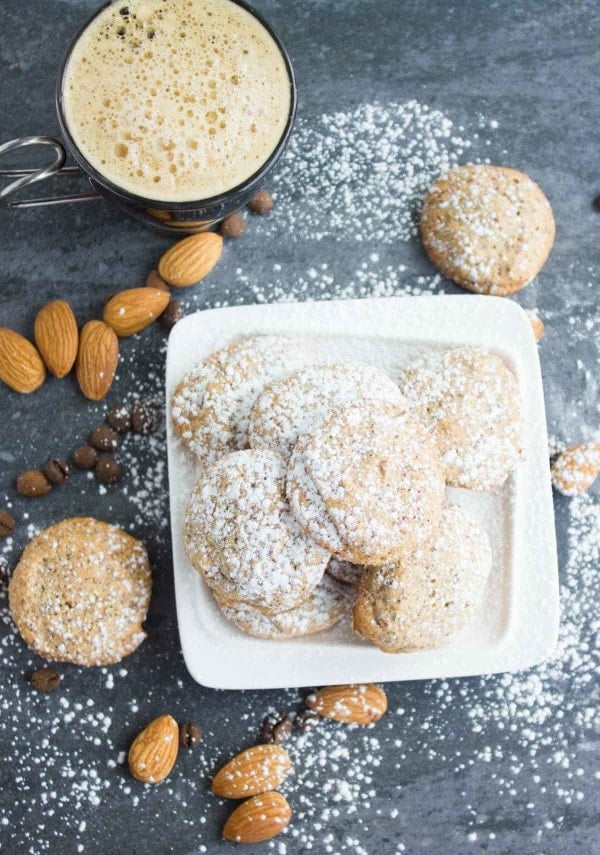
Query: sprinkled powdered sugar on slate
241, 537
303, 400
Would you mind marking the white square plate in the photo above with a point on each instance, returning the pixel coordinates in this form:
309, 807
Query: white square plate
517, 624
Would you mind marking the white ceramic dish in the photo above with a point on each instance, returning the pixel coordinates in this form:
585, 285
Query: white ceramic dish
517, 625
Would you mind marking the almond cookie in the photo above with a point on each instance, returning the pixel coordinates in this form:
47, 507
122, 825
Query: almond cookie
330, 601
211, 406
293, 406
368, 485
488, 228
242, 538
344, 571
470, 402
419, 603
81, 591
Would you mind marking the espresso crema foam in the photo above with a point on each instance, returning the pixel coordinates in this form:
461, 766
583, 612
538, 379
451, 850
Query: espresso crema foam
176, 100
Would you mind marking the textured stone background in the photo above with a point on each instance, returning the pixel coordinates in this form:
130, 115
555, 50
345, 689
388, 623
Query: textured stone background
532, 66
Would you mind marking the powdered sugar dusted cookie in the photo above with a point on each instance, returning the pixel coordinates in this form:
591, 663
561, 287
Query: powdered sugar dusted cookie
330, 601
367, 485
306, 398
345, 571
488, 228
211, 406
470, 402
243, 539
420, 602
81, 591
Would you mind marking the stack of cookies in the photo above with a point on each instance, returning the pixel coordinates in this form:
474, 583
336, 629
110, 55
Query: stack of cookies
322, 487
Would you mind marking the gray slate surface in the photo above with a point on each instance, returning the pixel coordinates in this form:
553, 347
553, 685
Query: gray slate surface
535, 67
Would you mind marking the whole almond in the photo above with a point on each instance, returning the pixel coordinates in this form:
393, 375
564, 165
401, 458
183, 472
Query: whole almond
253, 771
360, 704
153, 752
21, 366
191, 259
576, 469
260, 818
131, 311
97, 359
57, 337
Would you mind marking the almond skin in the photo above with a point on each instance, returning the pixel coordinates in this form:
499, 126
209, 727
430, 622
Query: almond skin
360, 704
97, 359
131, 311
154, 751
260, 818
575, 469
253, 771
57, 337
191, 259
537, 324
21, 366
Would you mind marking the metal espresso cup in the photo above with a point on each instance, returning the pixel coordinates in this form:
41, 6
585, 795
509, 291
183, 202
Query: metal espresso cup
169, 217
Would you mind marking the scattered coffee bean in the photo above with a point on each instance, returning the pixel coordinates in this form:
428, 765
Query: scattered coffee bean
276, 728
109, 470
7, 524
85, 457
57, 472
33, 483
261, 202
172, 314
119, 418
189, 735
45, 679
154, 280
145, 417
105, 438
307, 720
233, 226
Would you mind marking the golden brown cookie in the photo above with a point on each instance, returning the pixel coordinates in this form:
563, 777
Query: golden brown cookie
211, 406
81, 591
367, 484
330, 601
242, 538
420, 602
488, 228
307, 397
470, 402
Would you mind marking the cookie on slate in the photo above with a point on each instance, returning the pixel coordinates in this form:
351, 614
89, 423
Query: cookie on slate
420, 602
81, 591
367, 485
292, 406
344, 571
211, 406
242, 538
470, 402
488, 228
330, 601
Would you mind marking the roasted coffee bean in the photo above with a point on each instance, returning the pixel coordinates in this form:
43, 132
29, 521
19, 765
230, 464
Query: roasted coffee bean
7, 524
57, 472
119, 418
307, 720
154, 280
105, 438
189, 735
45, 679
85, 457
276, 728
233, 226
109, 470
261, 202
33, 483
172, 314
145, 417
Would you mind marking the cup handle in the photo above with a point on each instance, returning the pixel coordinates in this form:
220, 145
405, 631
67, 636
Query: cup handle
25, 177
